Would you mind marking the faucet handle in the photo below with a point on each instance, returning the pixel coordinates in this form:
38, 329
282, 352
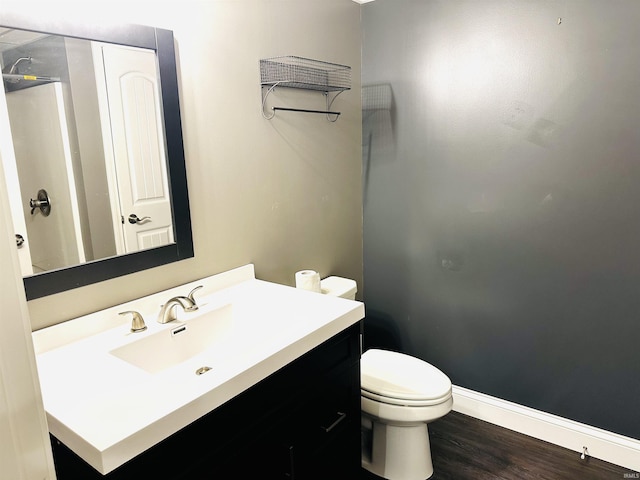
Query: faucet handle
193, 300
137, 322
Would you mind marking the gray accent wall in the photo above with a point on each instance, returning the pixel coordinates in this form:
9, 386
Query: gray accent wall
501, 167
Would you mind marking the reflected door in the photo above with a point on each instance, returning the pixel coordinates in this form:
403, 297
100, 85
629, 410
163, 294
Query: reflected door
138, 147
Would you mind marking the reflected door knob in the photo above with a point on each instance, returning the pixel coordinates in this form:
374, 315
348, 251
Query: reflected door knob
134, 220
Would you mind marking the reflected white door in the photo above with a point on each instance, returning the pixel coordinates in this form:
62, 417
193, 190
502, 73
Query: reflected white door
133, 99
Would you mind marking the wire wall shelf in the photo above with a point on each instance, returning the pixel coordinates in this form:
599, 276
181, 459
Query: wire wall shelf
306, 74
298, 72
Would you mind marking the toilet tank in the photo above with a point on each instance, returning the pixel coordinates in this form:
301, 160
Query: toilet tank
339, 287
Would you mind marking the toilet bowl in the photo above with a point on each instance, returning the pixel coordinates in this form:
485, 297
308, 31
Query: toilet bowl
400, 394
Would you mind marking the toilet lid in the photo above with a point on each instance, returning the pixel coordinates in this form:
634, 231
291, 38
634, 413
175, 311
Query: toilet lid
392, 376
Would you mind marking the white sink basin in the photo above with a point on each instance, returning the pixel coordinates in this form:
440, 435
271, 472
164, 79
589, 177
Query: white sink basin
111, 394
167, 348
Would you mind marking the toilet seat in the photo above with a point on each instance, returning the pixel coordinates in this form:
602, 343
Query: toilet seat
405, 402
398, 379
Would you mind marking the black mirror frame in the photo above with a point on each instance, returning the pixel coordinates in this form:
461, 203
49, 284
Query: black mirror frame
162, 42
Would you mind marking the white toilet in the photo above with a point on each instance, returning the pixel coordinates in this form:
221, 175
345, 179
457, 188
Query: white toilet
400, 394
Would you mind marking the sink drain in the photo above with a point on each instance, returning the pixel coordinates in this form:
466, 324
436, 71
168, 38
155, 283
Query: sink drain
202, 370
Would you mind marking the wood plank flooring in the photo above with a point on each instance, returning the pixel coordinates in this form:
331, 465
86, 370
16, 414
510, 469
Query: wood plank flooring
465, 448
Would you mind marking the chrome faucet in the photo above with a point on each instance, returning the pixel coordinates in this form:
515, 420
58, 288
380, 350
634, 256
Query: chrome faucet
137, 322
168, 311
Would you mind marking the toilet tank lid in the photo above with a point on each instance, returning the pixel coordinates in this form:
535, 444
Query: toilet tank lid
401, 376
339, 287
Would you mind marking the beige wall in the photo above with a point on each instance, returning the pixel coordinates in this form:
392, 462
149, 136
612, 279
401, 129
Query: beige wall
283, 194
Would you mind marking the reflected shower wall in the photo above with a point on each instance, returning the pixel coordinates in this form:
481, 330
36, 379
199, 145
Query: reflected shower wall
501, 192
44, 162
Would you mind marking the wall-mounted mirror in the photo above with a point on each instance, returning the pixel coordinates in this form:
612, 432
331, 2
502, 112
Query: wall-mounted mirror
91, 145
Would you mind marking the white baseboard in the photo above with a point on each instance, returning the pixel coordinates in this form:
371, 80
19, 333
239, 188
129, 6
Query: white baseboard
601, 444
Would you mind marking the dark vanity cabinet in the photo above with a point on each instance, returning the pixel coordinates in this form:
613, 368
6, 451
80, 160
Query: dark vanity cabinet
302, 422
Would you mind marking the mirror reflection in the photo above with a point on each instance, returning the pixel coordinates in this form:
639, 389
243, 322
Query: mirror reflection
90, 179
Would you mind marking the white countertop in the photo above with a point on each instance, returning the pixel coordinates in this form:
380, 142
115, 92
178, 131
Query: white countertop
109, 411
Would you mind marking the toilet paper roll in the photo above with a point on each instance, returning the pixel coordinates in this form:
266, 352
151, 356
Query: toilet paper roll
308, 280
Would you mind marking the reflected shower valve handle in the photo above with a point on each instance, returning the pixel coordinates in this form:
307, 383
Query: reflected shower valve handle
134, 220
42, 203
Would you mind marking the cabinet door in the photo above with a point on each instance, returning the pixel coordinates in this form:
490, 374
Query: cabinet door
327, 440
265, 454
331, 460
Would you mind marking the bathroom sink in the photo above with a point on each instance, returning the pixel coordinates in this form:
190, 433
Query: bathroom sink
111, 394
180, 342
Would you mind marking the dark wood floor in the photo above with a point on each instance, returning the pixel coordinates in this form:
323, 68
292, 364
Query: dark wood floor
465, 448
